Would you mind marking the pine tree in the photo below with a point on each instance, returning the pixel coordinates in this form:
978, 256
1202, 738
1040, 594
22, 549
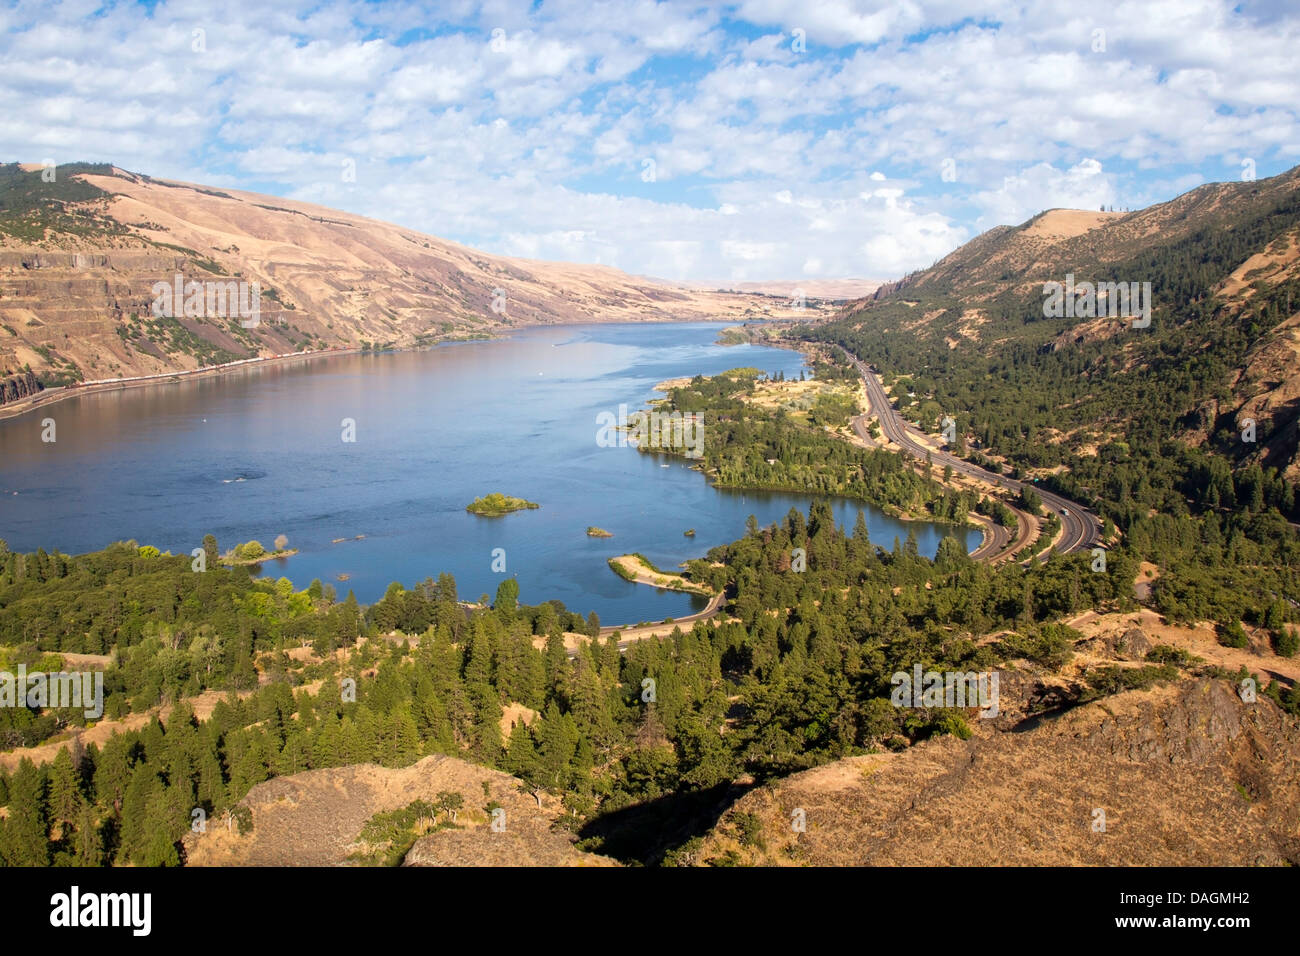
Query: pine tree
406, 741
488, 745
478, 656
590, 707
328, 747
135, 809
861, 536
88, 846
557, 661
507, 600
437, 730
165, 820
521, 757
557, 742
530, 673
113, 772
211, 789
27, 832
211, 554
65, 790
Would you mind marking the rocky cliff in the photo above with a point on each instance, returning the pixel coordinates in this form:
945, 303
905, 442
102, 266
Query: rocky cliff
15, 387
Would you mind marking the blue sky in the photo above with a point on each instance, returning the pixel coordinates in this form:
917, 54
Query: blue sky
765, 139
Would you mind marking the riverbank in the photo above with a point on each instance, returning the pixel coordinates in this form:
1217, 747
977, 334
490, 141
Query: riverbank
413, 526
800, 400
52, 396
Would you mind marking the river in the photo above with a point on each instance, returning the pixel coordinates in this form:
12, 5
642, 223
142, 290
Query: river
259, 452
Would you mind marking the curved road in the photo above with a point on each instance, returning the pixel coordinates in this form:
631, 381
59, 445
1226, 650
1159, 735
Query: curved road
632, 633
1081, 529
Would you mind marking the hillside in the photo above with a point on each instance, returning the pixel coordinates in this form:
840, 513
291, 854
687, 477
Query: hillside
79, 257
1187, 774
1018, 259
1094, 399
834, 289
335, 804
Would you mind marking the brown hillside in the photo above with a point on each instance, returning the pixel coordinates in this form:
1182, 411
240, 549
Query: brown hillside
995, 284
1047, 245
1187, 774
314, 819
328, 279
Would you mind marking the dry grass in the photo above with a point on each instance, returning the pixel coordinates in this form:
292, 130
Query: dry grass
315, 818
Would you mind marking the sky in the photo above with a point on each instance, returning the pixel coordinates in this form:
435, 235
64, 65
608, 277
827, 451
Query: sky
758, 140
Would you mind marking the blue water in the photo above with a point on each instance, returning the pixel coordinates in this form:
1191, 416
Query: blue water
258, 453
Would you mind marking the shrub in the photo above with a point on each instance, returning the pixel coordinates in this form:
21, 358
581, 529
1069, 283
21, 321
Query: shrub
250, 551
749, 829
1233, 634
1165, 654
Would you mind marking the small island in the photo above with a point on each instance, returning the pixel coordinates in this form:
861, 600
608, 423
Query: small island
498, 504
252, 552
690, 532
594, 532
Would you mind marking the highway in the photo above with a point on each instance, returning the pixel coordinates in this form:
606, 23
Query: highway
1081, 529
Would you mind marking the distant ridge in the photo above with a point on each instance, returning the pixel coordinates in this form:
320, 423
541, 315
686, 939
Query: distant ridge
79, 256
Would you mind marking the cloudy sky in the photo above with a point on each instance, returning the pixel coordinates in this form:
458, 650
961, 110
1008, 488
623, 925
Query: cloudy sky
765, 139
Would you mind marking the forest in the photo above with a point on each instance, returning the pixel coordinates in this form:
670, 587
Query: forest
750, 447
1135, 425
794, 672
759, 694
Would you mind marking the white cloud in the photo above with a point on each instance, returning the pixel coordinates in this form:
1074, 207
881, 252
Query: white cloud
769, 163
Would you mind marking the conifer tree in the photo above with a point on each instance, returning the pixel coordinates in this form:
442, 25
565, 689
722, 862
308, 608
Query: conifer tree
521, 756
557, 741
65, 791
26, 832
88, 845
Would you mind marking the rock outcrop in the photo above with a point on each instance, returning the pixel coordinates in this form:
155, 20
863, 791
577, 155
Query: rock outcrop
315, 818
19, 386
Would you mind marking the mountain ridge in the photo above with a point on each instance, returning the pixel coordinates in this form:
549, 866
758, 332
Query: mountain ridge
80, 255
1222, 265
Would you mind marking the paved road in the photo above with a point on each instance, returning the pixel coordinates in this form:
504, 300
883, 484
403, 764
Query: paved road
1081, 531
630, 634
995, 543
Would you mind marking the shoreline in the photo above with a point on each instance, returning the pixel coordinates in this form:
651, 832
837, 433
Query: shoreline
55, 395
973, 520
52, 396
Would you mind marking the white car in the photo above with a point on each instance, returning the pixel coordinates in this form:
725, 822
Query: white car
1066, 512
